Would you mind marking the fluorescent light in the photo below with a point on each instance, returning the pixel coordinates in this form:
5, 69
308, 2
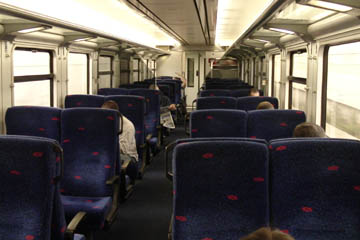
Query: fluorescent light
261, 40
83, 39
329, 5
35, 29
281, 30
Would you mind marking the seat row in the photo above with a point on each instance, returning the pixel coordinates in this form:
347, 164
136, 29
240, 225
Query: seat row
227, 188
242, 103
260, 124
242, 92
92, 174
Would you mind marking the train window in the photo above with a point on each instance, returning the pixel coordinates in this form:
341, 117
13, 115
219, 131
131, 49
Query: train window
136, 70
297, 80
78, 73
191, 69
105, 71
276, 76
33, 73
341, 107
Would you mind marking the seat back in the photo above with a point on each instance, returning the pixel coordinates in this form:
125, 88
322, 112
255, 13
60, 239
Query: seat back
315, 187
243, 92
219, 194
250, 103
215, 93
28, 173
273, 124
133, 108
218, 123
177, 89
89, 137
172, 89
113, 91
33, 121
80, 100
165, 89
215, 103
152, 118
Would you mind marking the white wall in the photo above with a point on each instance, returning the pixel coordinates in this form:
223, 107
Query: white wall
169, 65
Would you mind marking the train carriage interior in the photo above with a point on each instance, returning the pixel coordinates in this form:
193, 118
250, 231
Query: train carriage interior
240, 115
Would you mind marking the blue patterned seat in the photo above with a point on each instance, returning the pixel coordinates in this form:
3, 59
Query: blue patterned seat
243, 92
91, 156
218, 123
113, 91
273, 124
33, 121
29, 204
250, 103
215, 93
219, 194
133, 108
315, 188
84, 100
215, 103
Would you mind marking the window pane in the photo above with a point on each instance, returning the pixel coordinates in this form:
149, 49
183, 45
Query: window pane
299, 65
24, 93
191, 67
104, 64
277, 75
135, 64
105, 81
31, 63
343, 105
298, 96
77, 71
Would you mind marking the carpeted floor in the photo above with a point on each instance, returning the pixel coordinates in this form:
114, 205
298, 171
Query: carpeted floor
146, 215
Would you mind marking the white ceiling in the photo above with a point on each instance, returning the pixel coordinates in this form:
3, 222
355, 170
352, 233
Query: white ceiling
181, 16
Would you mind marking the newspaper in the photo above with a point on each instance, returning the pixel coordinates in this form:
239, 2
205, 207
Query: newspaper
166, 119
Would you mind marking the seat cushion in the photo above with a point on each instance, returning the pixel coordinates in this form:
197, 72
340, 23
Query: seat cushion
96, 208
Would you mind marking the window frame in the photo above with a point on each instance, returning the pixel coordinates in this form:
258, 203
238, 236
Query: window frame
111, 72
39, 77
87, 70
293, 79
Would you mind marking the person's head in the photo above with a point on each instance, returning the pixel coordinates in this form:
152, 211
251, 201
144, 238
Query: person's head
266, 233
254, 92
110, 105
264, 105
307, 129
153, 87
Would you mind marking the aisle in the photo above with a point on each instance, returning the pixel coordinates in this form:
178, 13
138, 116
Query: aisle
146, 215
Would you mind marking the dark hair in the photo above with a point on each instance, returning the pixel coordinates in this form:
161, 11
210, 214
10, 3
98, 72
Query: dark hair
307, 129
265, 105
110, 105
266, 233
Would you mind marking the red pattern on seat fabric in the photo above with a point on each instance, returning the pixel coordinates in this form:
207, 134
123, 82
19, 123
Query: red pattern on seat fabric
209, 117
38, 154
130, 105
285, 231
357, 188
283, 124
232, 197
181, 218
29, 237
78, 103
208, 155
110, 117
14, 172
107, 166
333, 168
95, 153
281, 148
41, 129
253, 137
66, 141
78, 177
194, 130
81, 129
307, 209
55, 119
258, 179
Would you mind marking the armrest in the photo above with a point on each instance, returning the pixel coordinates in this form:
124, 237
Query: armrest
168, 148
113, 180
186, 125
73, 225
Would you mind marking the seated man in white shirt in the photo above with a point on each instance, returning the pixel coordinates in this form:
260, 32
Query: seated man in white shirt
127, 142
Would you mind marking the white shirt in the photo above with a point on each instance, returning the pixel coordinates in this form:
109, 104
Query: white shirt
127, 140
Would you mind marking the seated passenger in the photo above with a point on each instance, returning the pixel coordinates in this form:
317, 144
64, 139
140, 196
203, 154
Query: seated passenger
164, 100
266, 233
264, 105
308, 129
254, 92
127, 142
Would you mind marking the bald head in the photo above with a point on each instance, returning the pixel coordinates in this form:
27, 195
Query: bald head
266, 233
308, 129
254, 92
264, 105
